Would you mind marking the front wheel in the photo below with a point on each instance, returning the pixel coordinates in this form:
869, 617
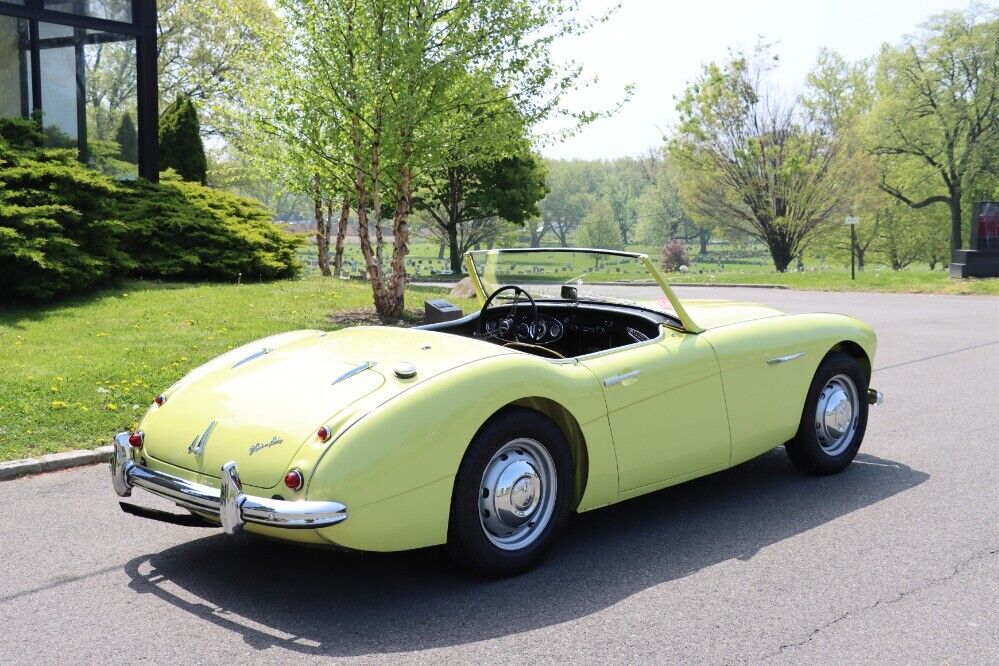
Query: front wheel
512, 495
834, 419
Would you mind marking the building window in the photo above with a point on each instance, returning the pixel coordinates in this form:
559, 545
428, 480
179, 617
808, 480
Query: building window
15, 72
87, 68
115, 10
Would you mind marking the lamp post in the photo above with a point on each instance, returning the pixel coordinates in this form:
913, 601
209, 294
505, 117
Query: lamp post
852, 221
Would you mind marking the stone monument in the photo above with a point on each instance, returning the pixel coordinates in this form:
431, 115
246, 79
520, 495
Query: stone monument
982, 257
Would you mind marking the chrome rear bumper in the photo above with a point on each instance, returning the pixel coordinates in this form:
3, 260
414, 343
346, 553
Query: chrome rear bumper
233, 508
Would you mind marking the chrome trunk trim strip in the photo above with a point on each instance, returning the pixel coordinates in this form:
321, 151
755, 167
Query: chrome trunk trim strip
254, 355
355, 370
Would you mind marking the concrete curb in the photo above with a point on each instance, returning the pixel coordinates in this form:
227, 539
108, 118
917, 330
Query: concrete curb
51, 462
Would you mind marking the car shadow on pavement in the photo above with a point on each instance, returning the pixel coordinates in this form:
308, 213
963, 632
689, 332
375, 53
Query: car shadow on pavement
322, 602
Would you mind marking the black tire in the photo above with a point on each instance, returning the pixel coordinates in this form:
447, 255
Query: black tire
808, 450
468, 543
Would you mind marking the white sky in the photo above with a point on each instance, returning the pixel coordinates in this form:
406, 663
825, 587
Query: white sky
660, 45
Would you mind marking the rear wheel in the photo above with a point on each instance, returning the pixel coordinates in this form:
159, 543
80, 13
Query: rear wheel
834, 418
512, 495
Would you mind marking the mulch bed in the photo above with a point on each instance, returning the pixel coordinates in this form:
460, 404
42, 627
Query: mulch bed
369, 317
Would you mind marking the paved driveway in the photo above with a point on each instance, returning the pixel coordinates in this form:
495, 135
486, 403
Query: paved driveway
897, 559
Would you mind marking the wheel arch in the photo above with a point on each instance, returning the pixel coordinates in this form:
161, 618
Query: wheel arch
567, 423
856, 351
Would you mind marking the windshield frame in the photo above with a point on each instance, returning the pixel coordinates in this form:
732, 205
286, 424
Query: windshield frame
654, 274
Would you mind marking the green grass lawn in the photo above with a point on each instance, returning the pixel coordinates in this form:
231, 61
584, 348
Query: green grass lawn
79, 371
827, 278
723, 264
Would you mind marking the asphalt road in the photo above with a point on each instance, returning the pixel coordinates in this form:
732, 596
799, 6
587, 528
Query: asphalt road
895, 560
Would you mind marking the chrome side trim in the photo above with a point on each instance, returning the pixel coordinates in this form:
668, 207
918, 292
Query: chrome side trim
228, 502
256, 354
784, 359
617, 379
355, 370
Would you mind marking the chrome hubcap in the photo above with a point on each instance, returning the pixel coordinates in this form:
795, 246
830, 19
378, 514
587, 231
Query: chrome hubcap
837, 414
517, 495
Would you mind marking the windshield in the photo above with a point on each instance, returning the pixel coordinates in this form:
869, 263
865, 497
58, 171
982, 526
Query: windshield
597, 275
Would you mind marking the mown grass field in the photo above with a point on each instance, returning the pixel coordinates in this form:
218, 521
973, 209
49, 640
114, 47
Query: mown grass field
79, 371
721, 265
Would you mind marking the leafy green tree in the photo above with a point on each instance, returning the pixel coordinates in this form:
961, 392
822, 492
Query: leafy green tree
491, 179
127, 139
569, 198
473, 205
181, 148
758, 164
598, 229
938, 108
371, 90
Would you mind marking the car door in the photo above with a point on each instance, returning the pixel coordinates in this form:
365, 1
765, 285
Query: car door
666, 408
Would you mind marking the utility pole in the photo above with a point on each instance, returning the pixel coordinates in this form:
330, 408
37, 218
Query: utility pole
852, 221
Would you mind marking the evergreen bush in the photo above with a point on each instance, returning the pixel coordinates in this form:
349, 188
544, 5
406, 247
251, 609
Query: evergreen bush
181, 148
68, 229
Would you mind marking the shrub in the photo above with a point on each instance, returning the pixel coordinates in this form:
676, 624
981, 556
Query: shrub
65, 228
675, 255
57, 234
127, 139
181, 148
186, 231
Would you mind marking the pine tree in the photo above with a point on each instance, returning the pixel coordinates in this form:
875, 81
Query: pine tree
181, 148
128, 139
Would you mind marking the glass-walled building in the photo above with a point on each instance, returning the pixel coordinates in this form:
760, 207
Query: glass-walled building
88, 69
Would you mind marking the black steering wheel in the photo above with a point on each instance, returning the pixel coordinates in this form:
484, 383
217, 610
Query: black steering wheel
509, 324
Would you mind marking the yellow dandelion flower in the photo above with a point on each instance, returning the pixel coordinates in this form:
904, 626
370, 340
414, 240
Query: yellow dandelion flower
111, 407
59, 404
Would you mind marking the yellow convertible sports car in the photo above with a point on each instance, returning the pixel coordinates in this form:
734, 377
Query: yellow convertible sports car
583, 381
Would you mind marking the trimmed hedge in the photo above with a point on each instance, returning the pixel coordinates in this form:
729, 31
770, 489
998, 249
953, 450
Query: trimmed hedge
185, 231
67, 229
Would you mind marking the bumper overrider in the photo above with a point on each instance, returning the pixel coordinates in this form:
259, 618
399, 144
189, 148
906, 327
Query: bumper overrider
229, 503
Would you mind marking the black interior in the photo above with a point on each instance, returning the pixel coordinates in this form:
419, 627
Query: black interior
562, 328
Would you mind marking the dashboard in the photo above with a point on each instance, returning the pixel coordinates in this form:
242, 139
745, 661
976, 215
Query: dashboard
521, 326
563, 329
571, 329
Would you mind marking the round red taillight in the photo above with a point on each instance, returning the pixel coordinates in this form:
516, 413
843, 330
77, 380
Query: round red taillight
324, 433
293, 479
137, 438
159, 400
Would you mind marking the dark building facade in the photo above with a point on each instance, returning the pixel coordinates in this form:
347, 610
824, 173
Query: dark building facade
88, 69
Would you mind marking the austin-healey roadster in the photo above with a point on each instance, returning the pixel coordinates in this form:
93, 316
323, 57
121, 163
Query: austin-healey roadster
567, 391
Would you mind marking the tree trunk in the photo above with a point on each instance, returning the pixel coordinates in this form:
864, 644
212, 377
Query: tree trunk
703, 236
322, 230
955, 219
780, 253
341, 233
454, 252
396, 293
440, 249
861, 252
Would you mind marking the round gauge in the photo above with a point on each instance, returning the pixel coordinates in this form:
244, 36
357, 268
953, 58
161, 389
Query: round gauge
524, 332
555, 330
540, 328
505, 326
491, 326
